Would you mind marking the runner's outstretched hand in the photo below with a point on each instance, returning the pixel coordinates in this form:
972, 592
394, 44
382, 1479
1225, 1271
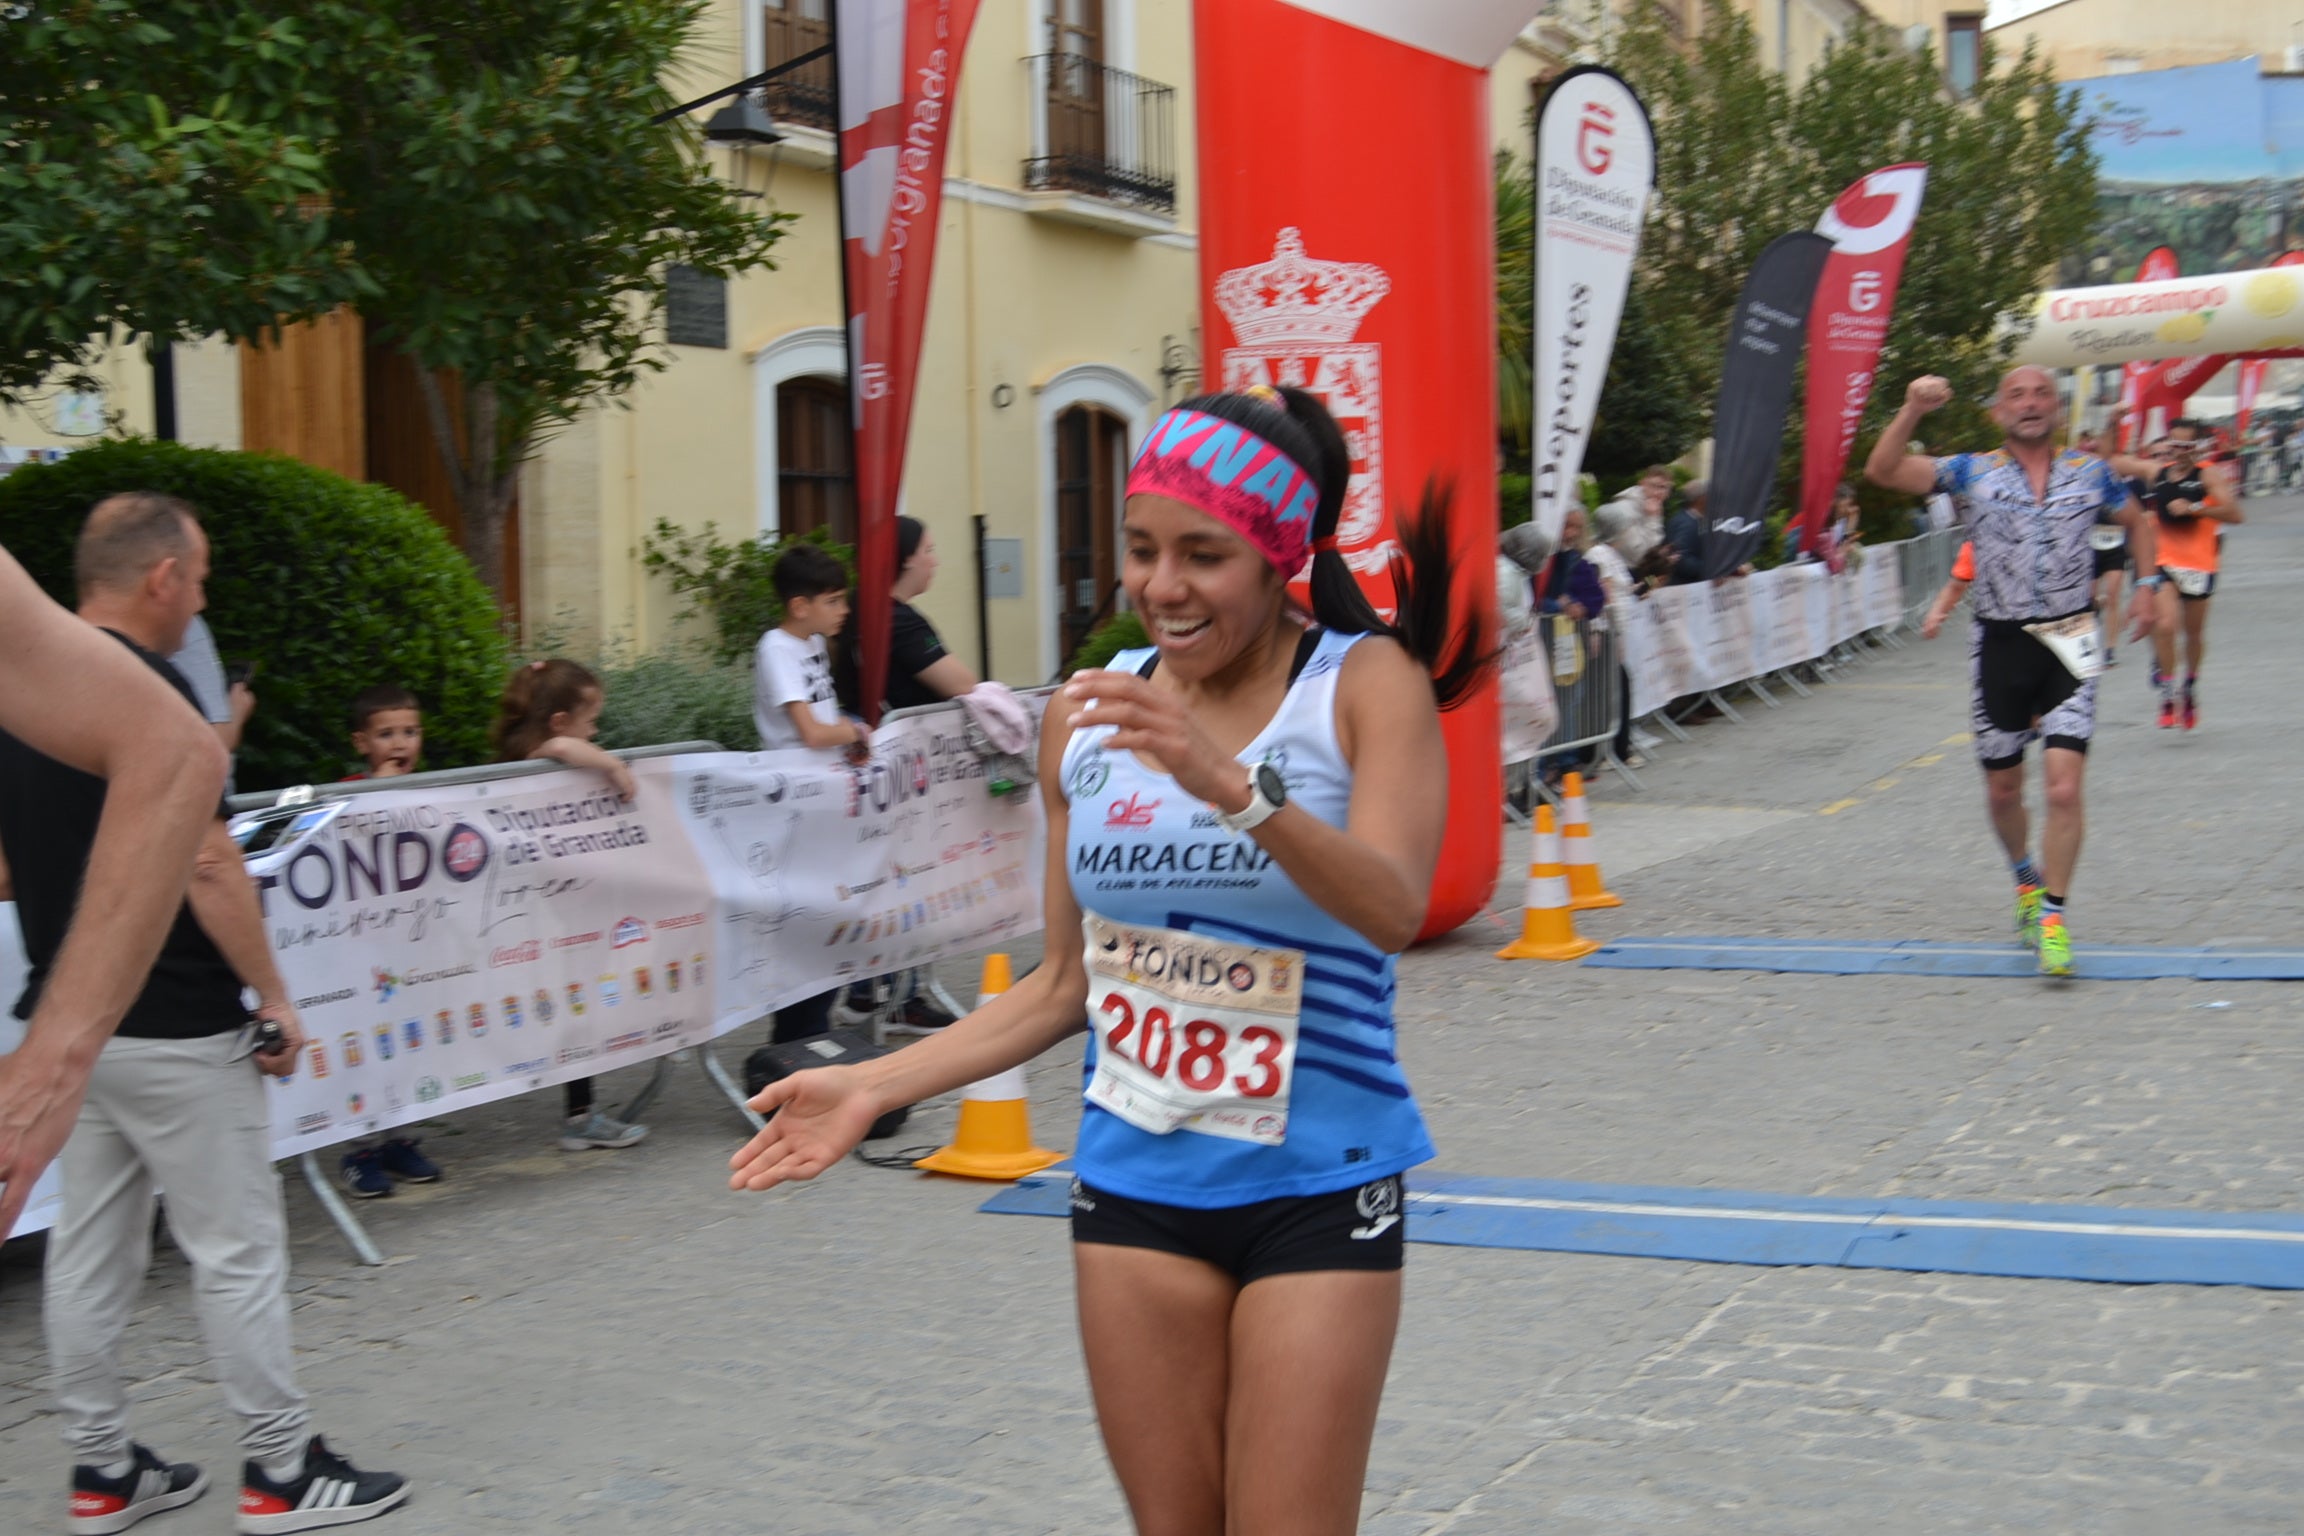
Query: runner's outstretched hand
819, 1117
1156, 722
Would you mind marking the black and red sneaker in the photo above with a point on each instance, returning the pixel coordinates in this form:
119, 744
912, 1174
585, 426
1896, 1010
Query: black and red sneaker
329, 1491
102, 1505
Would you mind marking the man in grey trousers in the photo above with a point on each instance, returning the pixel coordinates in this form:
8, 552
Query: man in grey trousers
175, 1101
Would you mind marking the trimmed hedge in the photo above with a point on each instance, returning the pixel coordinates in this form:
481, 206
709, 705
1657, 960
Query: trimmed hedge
330, 584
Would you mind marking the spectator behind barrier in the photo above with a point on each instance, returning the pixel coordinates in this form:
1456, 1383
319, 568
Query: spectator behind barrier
794, 704
388, 736
1686, 532
551, 709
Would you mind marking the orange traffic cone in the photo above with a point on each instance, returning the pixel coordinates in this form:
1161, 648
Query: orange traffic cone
994, 1140
1547, 926
1586, 890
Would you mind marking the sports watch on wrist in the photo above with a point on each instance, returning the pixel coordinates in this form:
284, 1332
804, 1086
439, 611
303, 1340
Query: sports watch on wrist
1267, 792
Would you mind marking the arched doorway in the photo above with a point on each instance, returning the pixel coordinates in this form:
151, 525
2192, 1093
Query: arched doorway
1091, 471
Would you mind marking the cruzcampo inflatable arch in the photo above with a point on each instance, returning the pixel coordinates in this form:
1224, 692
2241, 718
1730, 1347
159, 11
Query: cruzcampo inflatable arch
2237, 314
1347, 246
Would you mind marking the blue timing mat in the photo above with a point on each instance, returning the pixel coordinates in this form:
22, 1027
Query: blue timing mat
2057, 1242
1918, 957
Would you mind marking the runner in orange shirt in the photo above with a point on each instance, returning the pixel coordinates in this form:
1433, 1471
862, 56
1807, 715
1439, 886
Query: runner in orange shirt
2193, 501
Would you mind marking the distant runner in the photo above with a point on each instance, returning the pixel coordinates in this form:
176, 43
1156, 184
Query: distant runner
2036, 649
2193, 501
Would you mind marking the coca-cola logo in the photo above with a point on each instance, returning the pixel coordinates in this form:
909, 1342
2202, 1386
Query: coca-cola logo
515, 954
1593, 131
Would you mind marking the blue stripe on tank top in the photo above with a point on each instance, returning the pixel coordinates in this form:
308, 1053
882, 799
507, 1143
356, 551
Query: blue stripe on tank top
1192, 922
1338, 1014
1357, 1079
1331, 1042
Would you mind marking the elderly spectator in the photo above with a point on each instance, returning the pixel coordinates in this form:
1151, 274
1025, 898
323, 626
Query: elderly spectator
1612, 528
173, 1098
1646, 497
1570, 584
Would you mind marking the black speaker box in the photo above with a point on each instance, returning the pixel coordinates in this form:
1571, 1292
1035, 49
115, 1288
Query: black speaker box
834, 1048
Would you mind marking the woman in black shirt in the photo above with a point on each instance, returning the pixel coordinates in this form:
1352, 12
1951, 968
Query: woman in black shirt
920, 670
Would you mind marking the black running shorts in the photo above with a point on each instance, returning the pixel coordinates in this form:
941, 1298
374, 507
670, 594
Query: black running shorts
1361, 1228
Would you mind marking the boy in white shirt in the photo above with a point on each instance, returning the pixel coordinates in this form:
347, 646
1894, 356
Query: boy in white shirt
793, 704
792, 698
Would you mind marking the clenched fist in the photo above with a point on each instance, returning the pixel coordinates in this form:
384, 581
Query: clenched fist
1928, 392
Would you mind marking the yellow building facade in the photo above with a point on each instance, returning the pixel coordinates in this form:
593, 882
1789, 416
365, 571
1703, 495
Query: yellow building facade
1063, 317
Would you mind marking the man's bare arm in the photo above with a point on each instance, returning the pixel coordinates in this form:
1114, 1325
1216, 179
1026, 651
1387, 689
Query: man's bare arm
1891, 464
79, 696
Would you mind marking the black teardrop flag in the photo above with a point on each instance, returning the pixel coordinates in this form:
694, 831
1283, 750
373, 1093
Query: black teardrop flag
1765, 338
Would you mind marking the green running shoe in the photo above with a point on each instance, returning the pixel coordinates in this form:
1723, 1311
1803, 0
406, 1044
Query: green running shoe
2055, 946
2028, 916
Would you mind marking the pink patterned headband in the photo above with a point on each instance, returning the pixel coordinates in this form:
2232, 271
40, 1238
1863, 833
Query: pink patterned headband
1221, 468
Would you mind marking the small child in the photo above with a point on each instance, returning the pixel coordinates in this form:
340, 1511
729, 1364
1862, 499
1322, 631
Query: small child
551, 709
1963, 573
388, 735
387, 732
794, 705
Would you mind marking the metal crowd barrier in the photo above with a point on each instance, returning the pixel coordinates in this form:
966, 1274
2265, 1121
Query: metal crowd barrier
1591, 707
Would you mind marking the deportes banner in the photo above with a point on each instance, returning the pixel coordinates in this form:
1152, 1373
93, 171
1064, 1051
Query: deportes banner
1595, 167
1870, 227
452, 945
1360, 266
897, 70
1764, 340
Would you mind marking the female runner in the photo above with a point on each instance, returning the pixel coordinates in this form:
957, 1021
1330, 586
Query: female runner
1243, 821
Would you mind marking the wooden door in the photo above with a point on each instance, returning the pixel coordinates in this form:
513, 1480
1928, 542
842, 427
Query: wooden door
1076, 81
1091, 460
815, 459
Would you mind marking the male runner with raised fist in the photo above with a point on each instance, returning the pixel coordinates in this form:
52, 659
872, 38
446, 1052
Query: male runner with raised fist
2034, 649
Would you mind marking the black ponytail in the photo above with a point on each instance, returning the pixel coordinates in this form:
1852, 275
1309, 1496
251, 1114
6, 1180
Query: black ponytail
1457, 654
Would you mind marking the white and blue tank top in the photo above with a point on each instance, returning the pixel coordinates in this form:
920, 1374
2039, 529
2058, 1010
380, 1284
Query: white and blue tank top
1141, 851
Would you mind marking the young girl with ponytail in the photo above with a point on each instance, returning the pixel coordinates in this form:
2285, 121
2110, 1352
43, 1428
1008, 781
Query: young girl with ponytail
1243, 822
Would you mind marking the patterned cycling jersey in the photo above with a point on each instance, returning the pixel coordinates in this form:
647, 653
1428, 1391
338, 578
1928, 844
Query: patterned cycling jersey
2033, 557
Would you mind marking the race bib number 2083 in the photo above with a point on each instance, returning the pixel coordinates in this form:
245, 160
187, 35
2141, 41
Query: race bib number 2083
1192, 1033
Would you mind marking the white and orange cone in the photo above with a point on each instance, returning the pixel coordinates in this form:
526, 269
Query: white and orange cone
1587, 892
994, 1140
1547, 924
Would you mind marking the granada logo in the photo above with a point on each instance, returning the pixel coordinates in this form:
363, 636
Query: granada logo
515, 954
628, 931
1593, 131
1864, 292
1135, 811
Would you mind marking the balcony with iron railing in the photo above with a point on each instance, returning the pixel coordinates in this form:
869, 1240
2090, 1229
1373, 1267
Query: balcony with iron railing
1104, 134
803, 97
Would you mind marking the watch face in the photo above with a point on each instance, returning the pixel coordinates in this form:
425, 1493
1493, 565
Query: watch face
1270, 785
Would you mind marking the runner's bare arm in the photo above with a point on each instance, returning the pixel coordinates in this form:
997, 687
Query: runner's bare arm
79, 696
1891, 463
2143, 546
819, 1116
2223, 503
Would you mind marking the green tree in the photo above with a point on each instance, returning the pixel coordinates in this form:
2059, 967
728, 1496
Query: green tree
163, 175
504, 186
1743, 157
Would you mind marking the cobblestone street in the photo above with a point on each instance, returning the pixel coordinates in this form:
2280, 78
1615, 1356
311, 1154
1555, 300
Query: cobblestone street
613, 1342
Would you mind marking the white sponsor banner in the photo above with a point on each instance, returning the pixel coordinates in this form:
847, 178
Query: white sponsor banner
1595, 166
2261, 310
1689, 639
455, 944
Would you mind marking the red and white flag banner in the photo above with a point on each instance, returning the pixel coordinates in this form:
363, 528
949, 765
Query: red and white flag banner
898, 69
2159, 265
1870, 227
2248, 391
